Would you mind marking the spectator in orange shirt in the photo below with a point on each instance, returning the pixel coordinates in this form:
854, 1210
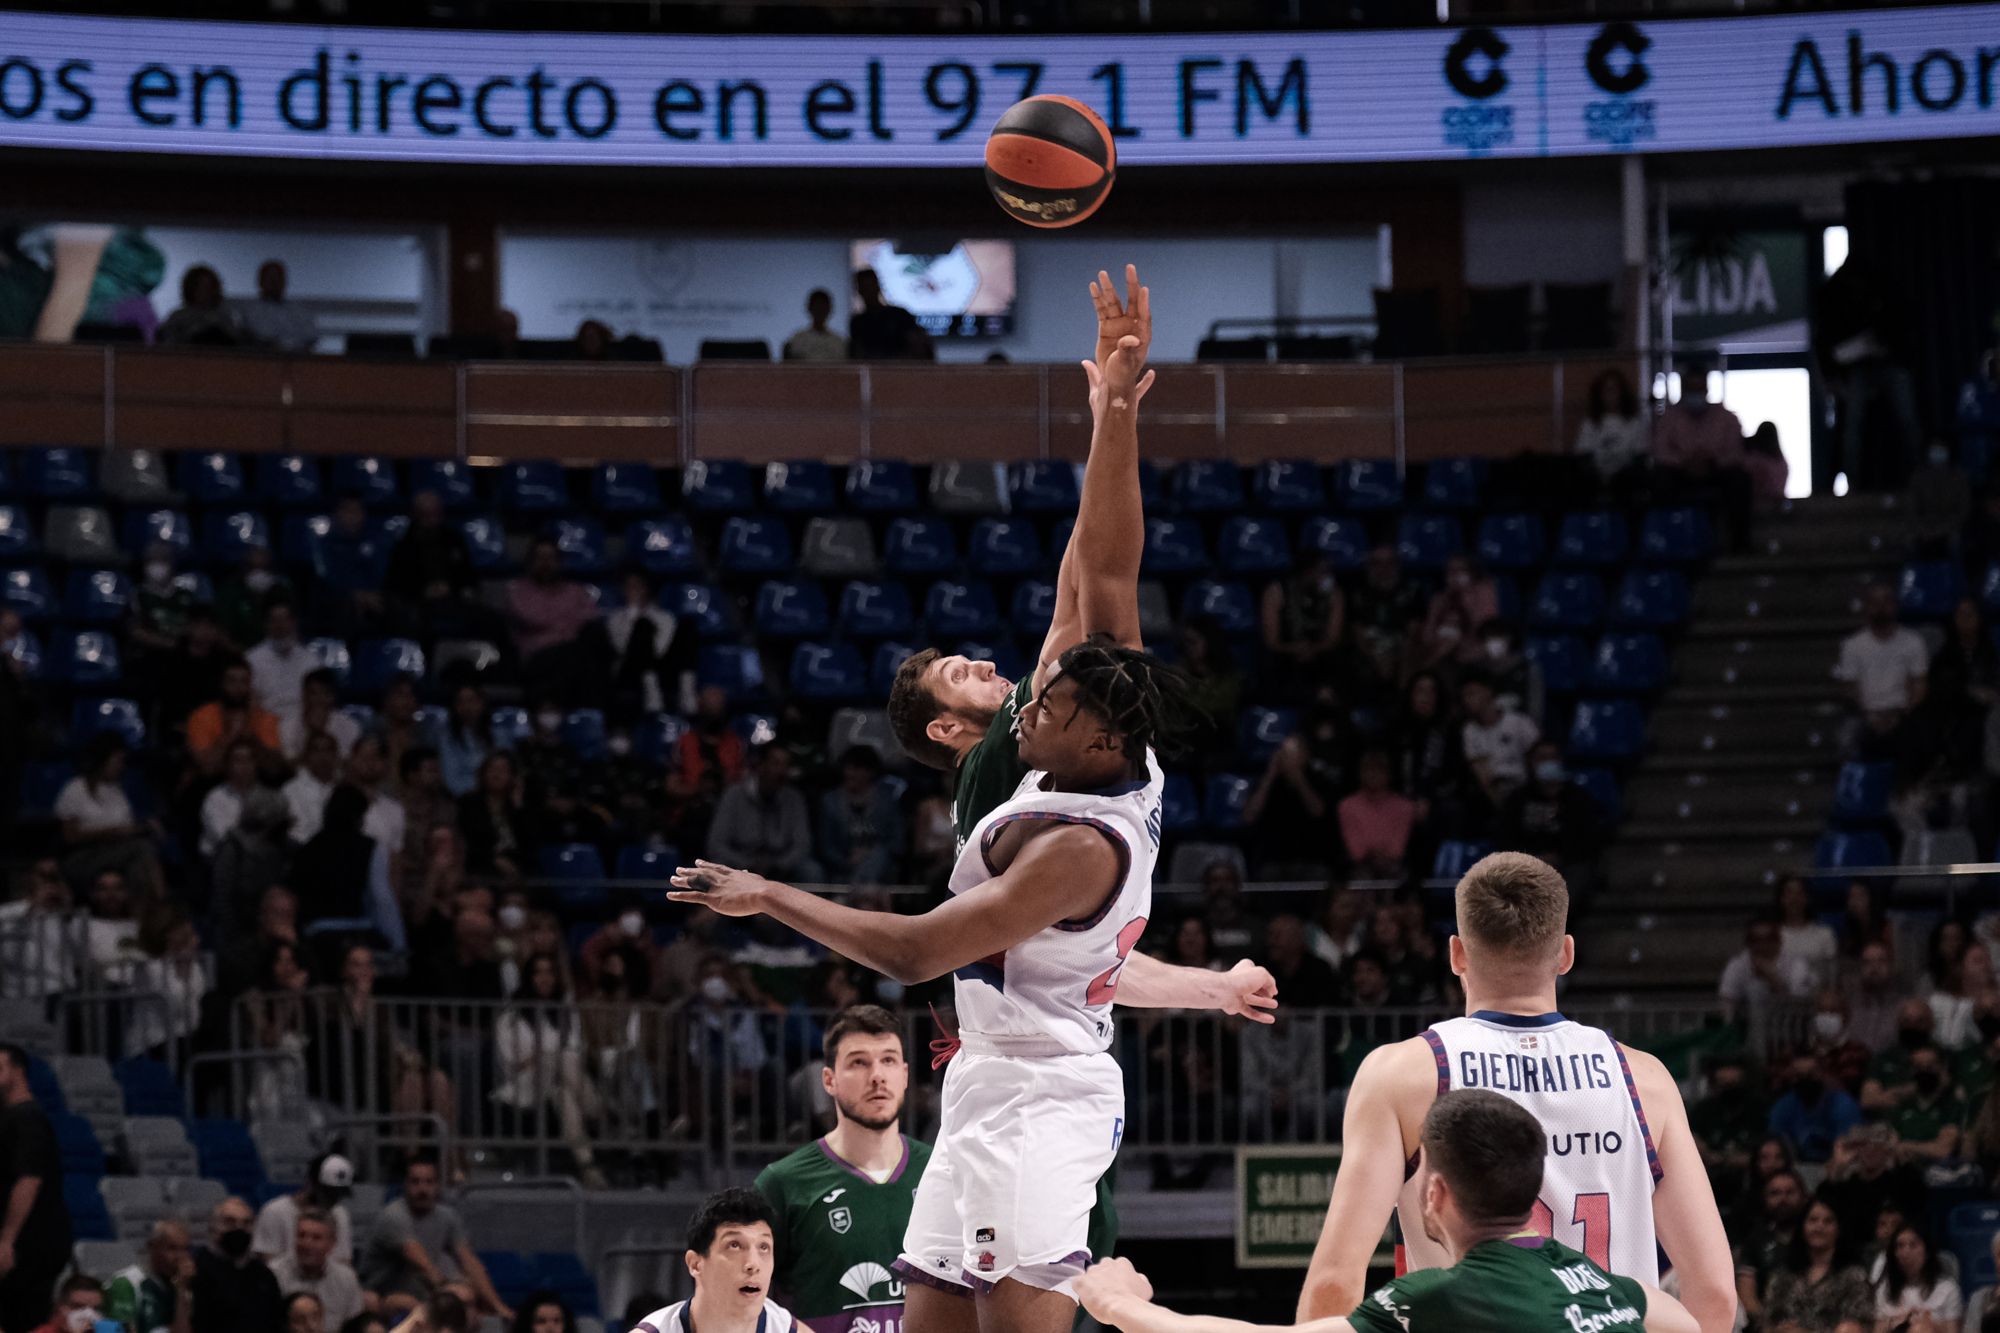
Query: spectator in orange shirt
234, 716
1375, 822
709, 758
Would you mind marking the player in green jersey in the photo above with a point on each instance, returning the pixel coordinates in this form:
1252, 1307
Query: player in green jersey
1482, 1168
842, 1202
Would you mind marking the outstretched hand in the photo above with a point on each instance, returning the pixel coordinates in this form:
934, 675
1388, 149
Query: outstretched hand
1249, 991
1117, 320
721, 889
1117, 381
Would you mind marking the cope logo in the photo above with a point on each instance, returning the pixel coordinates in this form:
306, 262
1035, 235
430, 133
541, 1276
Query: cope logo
1475, 67
1616, 64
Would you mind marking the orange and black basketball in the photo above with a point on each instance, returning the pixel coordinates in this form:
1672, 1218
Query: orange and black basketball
1050, 161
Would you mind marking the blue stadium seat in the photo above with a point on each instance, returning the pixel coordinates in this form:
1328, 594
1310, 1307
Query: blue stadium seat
804, 486
700, 604
1367, 485
1034, 608
371, 480
1002, 652
1044, 486
1290, 486
655, 736
1455, 483
227, 536
1262, 730
1865, 849
790, 609
882, 486
655, 863
1343, 541
334, 655
97, 596
511, 726
1593, 539
1511, 541
82, 1154
919, 546
196, 585
1455, 857
717, 486
1426, 541
485, 543
1970, 1228
1628, 664
227, 1153
212, 478
755, 546
1003, 548
1208, 486
149, 1087
510, 1274
882, 666
1676, 536
26, 650
1651, 598
45, 1086
446, 478
87, 658
578, 869
1253, 546
734, 667
1227, 794
378, 661
662, 546
955, 610
1929, 589
1861, 793
828, 672
583, 734
1601, 785
89, 1218
533, 487
1229, 605
1174, 546
299, 537
350, 567
167, 527
289, 479
625, 488
56, 474
870, 609
17, 535
580, 543
1606, 730
90, 716
1180, 805
1567, 602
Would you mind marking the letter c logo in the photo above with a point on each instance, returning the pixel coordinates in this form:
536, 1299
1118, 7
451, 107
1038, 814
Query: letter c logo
1619, 36
1460, 62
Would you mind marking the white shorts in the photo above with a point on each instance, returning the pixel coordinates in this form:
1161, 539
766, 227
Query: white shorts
1013, 1176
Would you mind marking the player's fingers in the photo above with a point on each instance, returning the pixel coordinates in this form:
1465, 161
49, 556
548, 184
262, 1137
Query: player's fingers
1091, 374
1145, 383
1143, 306
683, 897
1132, 284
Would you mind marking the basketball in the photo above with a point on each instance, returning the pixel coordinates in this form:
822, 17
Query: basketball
1050, 162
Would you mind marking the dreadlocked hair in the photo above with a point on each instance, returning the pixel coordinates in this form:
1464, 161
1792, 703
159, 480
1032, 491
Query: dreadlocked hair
1146, 703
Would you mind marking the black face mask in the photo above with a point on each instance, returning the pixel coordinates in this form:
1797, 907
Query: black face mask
233, 1244
1912, 1038
1928, 1081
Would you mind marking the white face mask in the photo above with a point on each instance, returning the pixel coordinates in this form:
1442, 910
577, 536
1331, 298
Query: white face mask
549, 721
632, 923
260, 580
158, 572
513, 916
619, 746
1829, 1026
1496, 647
80, 1321
715, 990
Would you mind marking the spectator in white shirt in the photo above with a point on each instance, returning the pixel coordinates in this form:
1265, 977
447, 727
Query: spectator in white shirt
180, 981
38, 935
1808, 940
642, 646
223, 806
817, 342
1885, 664
306, 793
271, 320
113, 930
1762, 974
99, 829
368, 769
279, 666
318, 693
1616, 435
1914, 1289
1496, 740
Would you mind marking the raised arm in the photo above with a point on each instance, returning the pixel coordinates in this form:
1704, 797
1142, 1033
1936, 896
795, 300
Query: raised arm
1057, 875
1246, 990
1117, 1294
1684, 1213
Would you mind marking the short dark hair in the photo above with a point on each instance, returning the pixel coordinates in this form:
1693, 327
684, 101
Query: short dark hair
445, 1312
1515, 905
1489, 1151
858, 1020
528, 1306
422, 1157
737, 1206
1141, 700
414, 758
913, 706
17, 1053
77, 1282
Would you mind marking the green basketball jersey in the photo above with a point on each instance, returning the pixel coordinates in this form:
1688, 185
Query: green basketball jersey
1504, 1286
991, 769
837, 1234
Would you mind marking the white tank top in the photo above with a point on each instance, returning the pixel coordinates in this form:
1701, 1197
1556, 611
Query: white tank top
1053, 990
1597, 1187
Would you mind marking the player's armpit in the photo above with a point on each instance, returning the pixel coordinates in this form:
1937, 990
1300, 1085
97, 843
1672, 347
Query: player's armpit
1684, 1212
1664, 1314
1394, 1084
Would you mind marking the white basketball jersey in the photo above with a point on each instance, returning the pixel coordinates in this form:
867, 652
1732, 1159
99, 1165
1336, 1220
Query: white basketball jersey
1597, 1186
1058, 983
674, 1319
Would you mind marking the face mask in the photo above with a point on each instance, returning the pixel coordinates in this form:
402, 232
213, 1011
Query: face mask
889, 992
234, 1244
1829, 1026
1548, 770
80, 1321
260, 580
620, 746
1928, 1081
158, 571
715, 990
1911, 1038
513, 917
632, 923
1450, 634
548, 721
1496, 648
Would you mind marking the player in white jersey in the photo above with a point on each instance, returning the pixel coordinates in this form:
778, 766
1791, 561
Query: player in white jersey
730, 1251
1623, 1172
1047, 900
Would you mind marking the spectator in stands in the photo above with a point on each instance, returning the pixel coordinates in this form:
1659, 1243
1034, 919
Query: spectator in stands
724, 1038
1801, 936
1770, 1231
1375, 822
112, 930
242, 599
761, 823
329, 1182
279, 666
38, 949
1915, 1291
176, 972
311, 1267
1447, 647
709, 758
160, 606
308, 789
202, 319
592, 341
1235, 932
1468, 594
1428, 759
1551, 817
1496, 741
34, 1225
883, 332
443, 1312
233, 1291
304, 1313
234, 716
649, 655
538, 1052
1814, 1113
1382, 612
1863, 920
419, 1247
157, 1293
1819, 1285
429, 578
272, 321
426, 805
1845, 1060
1929, 1119
624, 1036
1728, 1124
368, 769
1303, 619
1764, 459
1873, 998
1865, 1176
1978, 419
494, 821
626, 929
1761, 976
816, 342
191, 674
1616, 436
547, 612
470, 968
1963, 683
1937, 501
397, 727
1885, 665
254, 855
860, 825
99, 829
79, 1305
1340, 932
1401, 939
1304, 779
319, 693
1306, 978
223, 806
1215, 686
349, 562
342, 876
1698, 453
933, 841
464, 741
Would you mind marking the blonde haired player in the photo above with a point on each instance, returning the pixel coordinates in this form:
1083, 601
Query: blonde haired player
1622, 1175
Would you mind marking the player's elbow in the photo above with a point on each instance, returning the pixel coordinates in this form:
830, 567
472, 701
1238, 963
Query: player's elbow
1327, 1296
1711, 1300
909, 958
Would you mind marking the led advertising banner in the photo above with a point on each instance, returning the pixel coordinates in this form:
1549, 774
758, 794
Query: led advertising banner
170, 86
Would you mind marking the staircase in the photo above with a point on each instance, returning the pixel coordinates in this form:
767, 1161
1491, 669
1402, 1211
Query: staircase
1743, 752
